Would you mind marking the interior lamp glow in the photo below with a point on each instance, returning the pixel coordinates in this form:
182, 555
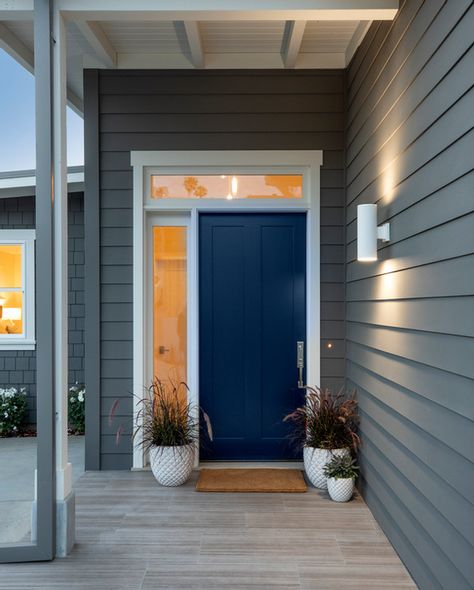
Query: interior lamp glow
11, 313
368, 232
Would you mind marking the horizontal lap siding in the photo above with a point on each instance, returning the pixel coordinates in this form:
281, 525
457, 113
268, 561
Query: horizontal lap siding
18, 368
410, 316
166, 110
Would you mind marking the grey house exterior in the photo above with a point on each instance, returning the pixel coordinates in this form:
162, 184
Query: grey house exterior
403, 327
18, 368
175, 110
410, 319
395, 128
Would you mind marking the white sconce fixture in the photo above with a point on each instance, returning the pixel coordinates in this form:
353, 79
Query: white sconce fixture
368, 232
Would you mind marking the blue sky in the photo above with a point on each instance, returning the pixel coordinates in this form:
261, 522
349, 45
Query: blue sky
17, 120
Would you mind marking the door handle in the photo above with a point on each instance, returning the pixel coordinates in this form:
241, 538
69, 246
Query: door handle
300, 362
162, 349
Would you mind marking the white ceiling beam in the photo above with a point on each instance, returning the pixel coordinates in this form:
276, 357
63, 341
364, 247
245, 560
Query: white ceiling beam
99, 42
356, 39
12, 45
292, 39
195, 43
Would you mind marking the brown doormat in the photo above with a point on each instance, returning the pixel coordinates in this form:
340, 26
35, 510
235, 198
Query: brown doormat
251, 480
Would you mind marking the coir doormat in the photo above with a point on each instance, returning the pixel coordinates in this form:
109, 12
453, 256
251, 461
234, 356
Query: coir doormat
251, 480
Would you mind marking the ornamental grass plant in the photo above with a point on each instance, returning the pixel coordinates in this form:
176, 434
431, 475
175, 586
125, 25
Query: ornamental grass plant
326, 421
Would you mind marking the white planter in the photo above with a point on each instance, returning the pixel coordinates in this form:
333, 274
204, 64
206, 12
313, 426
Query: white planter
172, 466
340, 490
315, 460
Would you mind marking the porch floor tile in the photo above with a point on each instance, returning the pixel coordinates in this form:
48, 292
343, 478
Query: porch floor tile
134, 535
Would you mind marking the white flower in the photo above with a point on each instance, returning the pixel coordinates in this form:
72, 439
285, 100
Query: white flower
71, 399
15, 428
5, 414
80, 396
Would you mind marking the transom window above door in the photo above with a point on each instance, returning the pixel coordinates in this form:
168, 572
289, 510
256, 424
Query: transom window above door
227, 186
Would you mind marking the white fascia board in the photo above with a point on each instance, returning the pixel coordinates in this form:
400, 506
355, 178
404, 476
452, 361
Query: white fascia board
24, 186
210, 9
229, 61
234, 9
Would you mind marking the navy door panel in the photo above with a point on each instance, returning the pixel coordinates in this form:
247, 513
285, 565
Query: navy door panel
252, 312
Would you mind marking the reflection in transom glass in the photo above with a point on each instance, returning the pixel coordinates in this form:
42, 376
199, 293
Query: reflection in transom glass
227, 186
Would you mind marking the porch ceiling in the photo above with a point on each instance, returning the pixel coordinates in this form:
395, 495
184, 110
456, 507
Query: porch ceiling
207, 34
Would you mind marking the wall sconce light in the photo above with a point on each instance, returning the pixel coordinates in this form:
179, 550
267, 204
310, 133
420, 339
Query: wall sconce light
368, 232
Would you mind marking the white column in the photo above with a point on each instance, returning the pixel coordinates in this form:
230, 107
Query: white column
60, 250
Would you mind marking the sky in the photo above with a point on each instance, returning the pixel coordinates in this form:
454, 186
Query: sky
17, 120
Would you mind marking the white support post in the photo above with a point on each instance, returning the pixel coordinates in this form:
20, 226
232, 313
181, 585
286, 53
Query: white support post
64, 496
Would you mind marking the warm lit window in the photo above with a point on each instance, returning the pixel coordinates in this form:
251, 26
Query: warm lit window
227, 186
17, 289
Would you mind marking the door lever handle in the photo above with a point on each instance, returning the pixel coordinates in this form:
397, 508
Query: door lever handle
300, 362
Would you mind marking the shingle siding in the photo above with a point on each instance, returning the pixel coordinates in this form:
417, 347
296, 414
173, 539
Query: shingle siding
18, 368
209, 110
410, 316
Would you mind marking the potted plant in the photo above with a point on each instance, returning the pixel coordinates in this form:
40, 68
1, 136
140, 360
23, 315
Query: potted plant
168, 429
326, 427
341, 473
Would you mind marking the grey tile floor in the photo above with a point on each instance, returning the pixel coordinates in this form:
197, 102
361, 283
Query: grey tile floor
134, 535
17, 483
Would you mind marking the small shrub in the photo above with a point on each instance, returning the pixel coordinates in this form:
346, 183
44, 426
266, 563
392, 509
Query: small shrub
341, 468
76, 408
12, 410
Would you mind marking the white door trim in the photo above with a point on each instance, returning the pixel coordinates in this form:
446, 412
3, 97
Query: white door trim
144, 164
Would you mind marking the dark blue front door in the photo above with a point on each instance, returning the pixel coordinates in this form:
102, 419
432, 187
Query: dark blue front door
252, 293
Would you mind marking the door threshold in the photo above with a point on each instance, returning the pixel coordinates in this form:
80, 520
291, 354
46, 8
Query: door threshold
250, 465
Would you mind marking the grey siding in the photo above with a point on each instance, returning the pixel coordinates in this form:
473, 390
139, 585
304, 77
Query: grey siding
182, 110
18, 368
410, 316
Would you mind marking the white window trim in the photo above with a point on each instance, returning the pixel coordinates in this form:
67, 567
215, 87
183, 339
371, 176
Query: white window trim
26, 238
146, 163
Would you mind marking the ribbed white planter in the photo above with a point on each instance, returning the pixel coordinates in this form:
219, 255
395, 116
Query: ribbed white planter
340, 490
172, 466
315, 460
